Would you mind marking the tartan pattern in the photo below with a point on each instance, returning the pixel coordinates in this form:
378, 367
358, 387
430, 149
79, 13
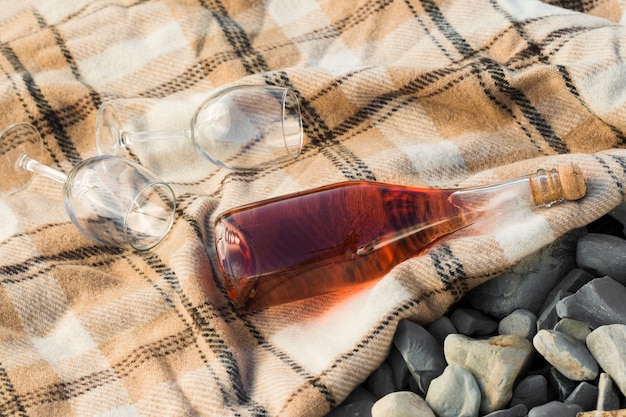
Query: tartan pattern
416, 92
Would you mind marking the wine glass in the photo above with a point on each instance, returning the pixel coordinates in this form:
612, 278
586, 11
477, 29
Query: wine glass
111, 199
237, 127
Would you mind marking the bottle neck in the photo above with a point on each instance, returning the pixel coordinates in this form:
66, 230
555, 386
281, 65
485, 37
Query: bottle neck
542, 189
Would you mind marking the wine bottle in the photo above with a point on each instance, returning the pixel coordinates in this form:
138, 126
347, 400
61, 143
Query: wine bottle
346, 234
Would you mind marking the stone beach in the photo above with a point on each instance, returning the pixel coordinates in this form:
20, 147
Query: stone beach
545, 338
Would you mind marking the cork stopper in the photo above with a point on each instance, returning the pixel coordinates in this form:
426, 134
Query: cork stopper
563, 183
572, 181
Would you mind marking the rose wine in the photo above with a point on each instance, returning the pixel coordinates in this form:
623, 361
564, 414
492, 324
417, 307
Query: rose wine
343, 235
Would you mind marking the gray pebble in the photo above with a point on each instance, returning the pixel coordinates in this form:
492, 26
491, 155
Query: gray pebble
585, 395
608, 345
570, 283
381, 382
441, 328
531, 391
599, 302
519, 410
526, 284
568, 355
520, 322
619, 214
420, 350
602, 254
495, 363
353, 409
548, 317
414, 387
575, 328
454, 394
555, 409
471, 322
561, 386
359, 394
608, 398
401, 404
401, 374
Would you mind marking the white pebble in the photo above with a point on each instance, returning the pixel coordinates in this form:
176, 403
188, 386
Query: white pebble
401, 404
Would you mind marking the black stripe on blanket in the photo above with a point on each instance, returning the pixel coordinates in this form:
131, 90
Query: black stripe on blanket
251, 60
209, 334
450, 270
49, 115
321, 136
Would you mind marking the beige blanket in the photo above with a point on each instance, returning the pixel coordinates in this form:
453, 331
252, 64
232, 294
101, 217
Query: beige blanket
416, 92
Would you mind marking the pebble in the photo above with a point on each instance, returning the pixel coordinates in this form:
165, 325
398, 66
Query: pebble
520, 322
420, 350
560, 385
568, 355
599, 302
358, 404
401, 374
555, 409
471, 322
608, 398
381, 382
531, 391
353, 409
360, 394
575, 328
608, 345
585, 395
571, 283
602, 254
619, 214
495, 363
454, 394
401, 404
526, 284
519, 410
614, 413
549, 317
441, 328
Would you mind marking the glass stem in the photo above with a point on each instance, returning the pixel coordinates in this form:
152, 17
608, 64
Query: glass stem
29, 164
129, 137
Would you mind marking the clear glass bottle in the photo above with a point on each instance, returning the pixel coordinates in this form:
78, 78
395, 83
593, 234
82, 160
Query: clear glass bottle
346, 234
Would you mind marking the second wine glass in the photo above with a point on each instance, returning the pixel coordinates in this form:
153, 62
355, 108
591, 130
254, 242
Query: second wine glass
237, 127
111, 199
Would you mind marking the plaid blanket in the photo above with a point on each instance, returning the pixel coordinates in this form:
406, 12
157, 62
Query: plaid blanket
428, 93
